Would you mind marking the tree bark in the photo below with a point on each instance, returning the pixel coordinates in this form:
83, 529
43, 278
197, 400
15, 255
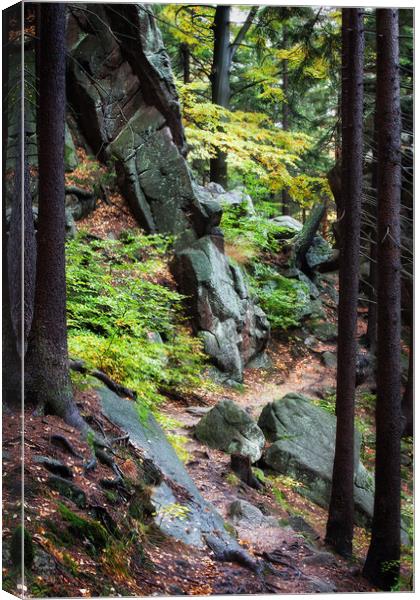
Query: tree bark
383, 558
341, 510
285, 197
220, 86
185, 61
21, 237
11, 362
372, 309
48, 373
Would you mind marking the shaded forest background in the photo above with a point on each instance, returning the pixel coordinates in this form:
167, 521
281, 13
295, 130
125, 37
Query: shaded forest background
238, 213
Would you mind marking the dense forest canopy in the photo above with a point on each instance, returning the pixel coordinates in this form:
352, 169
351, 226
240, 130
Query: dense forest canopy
208, 316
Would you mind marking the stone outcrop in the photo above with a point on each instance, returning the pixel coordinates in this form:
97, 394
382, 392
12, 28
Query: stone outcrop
242, 512
198, 523
303, 437
124, 101
229, 428
232, 327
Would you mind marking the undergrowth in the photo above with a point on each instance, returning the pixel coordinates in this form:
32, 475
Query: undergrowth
125, 319
282, 299
251, 233
251, 240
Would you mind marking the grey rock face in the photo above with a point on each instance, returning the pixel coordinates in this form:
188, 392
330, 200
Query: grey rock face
233, 328
199, 520
237, 197
127, 108
288, 223
229, 428
324, 330
319, 252
80, 205
70, 157
329, 359
242, 512
299, 524
303, 437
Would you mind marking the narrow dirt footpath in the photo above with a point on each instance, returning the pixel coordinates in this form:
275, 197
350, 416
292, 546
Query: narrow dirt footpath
306, 564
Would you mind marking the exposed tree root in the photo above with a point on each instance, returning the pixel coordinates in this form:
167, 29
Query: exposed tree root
80, 366
61, 440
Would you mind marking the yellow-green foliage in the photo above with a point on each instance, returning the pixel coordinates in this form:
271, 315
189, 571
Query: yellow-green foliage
122, 321
179, 443
252, 142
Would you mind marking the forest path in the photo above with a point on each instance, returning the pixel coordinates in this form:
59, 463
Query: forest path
294, 368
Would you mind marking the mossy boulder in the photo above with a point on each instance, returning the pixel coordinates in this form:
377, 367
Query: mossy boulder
303, 437
323, 330
229, 428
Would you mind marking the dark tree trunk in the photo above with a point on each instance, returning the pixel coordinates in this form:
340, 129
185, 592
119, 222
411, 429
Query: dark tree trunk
21, 265
242, 467
372, 308
382, 562
184, 50
341, 510
48, 372
220, 87
11, 362
285, 197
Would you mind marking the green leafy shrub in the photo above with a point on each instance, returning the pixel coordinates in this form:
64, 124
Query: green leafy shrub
125, 319
253, 239
282, 299
255, 233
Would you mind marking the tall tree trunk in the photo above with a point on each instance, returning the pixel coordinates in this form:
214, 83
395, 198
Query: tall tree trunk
382, 562
184, 50
11, 362
285, 115
341, 510
220, 86
372, 308
48, 376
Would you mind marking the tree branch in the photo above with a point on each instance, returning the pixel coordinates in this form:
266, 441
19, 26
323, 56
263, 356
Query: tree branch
243, 31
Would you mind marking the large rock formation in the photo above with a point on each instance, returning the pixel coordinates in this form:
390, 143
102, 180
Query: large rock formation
181, 511
303, 437
123, 98
229, 428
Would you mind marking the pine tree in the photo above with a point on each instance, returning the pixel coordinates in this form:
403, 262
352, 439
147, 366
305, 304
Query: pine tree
48, 379
341, 510
382, 562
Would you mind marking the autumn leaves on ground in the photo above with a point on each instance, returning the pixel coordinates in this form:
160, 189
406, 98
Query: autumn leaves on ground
215, 239
91, 538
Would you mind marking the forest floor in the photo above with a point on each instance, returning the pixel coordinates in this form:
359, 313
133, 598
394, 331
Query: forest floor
73, 553
157, 566
170, 568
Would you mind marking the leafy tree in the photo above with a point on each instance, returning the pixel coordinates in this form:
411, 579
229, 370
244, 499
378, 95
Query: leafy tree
252, 132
